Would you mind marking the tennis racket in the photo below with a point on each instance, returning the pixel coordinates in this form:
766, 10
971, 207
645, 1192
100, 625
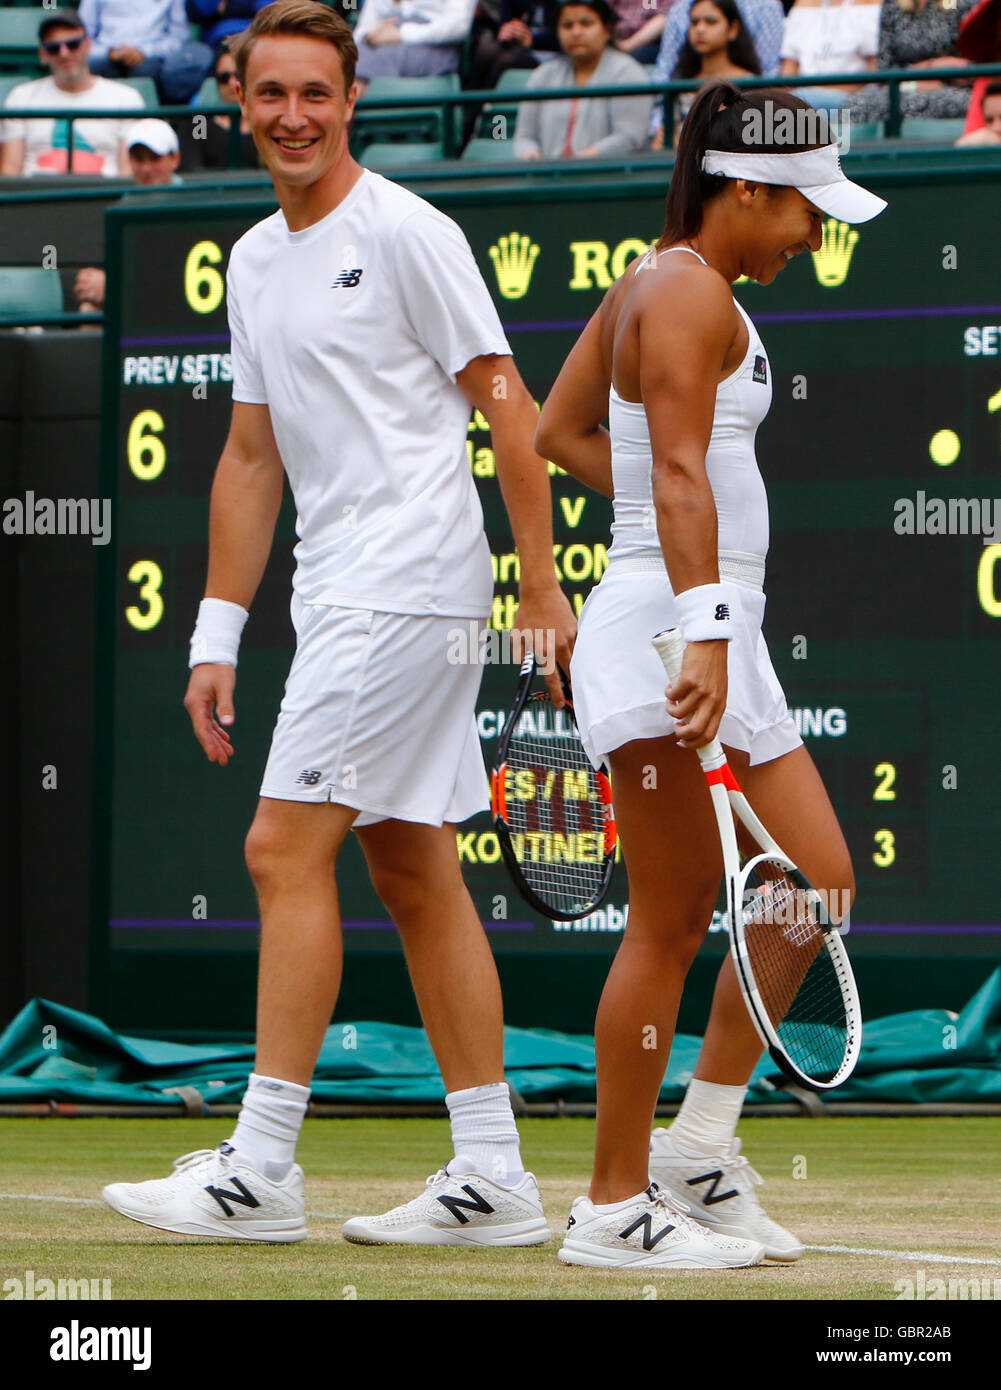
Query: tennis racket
552, 811
791, 963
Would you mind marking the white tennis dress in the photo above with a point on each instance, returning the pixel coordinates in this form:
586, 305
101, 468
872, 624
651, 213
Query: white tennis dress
618, 678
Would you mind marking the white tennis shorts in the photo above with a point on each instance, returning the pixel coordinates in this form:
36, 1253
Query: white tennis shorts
375, 716
619, 681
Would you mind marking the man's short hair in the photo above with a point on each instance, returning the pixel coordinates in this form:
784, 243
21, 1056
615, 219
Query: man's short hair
296, 17
60, 19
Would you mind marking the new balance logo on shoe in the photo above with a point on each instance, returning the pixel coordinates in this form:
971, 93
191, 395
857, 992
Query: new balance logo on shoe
242, 1198
309, 776
649, 1239
347, 279
478, 1203
710, 1199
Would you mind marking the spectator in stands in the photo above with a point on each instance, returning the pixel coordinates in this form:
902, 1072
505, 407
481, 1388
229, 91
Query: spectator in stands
38, 146
411, 38
918, 34
218, 19
980, 41
525, 37
718, 46
764, 21
830, 36
211, 149
151, 39
990, 111
153, 157
641, 23
583, 126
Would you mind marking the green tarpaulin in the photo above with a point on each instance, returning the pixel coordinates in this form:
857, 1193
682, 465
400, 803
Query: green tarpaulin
49, 1052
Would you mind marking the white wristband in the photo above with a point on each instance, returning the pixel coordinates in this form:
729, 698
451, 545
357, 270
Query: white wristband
704, 613
217, 633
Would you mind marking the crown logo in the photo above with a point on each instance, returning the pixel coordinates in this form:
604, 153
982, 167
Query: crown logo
831, 262
514, 259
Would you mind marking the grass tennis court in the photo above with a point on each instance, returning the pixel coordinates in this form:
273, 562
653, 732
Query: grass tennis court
918, 1186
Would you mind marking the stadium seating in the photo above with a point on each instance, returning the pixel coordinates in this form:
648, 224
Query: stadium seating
944, 131
415, 123
19, 38
25, 290
493, 151
399, 154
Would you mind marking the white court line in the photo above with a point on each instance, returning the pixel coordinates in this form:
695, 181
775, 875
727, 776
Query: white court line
919, 1256
35, 1197
96, 1202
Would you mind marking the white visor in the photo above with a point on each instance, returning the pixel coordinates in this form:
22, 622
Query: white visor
817, 174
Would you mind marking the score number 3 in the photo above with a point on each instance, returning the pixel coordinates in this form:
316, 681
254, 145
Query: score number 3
149, 576
887, 841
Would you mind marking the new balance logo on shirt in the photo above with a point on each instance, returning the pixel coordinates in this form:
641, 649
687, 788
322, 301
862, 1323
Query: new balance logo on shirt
347, 279
309, 776
722, 613
478, 1203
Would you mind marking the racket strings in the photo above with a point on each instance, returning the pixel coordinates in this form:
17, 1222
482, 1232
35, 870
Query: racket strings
796, 977
555, 811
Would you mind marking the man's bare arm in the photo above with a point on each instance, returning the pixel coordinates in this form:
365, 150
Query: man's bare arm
495, 388
246, 499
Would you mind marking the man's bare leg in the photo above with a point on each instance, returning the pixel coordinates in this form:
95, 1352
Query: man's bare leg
292, 848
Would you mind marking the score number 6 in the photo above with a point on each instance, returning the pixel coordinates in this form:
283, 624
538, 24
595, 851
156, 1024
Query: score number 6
204, 287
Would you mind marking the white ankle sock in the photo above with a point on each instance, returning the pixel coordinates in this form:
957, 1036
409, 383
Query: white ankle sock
269, 1123
484, 1131
707, 1120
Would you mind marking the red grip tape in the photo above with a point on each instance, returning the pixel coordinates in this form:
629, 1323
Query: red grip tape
725, 776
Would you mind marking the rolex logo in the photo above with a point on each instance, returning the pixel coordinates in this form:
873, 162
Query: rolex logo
831, 262
514, 259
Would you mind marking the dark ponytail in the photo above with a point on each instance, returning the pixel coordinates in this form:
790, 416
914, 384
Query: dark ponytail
724, 118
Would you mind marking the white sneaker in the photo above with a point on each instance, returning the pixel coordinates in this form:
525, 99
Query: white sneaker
653, 1231
459, 1208
211, 1193
721, 1193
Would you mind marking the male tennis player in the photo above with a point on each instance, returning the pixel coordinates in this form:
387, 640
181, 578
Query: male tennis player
361, 332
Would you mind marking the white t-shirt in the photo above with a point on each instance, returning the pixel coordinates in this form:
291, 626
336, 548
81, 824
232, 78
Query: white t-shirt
95, 142
352, 332
823, 36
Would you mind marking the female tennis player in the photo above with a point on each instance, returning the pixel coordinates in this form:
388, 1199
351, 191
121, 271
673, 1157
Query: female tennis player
687, 382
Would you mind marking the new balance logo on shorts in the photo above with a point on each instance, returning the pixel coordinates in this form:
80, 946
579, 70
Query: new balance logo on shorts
722, 613
478, 1203
347, 279
760, 372
710, 1199
309, 776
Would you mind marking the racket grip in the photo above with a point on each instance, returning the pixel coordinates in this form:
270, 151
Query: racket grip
670, 646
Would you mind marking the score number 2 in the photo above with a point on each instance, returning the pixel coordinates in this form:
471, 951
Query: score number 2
885, 839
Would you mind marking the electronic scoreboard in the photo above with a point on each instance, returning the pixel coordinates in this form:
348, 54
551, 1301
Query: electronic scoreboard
882, 459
